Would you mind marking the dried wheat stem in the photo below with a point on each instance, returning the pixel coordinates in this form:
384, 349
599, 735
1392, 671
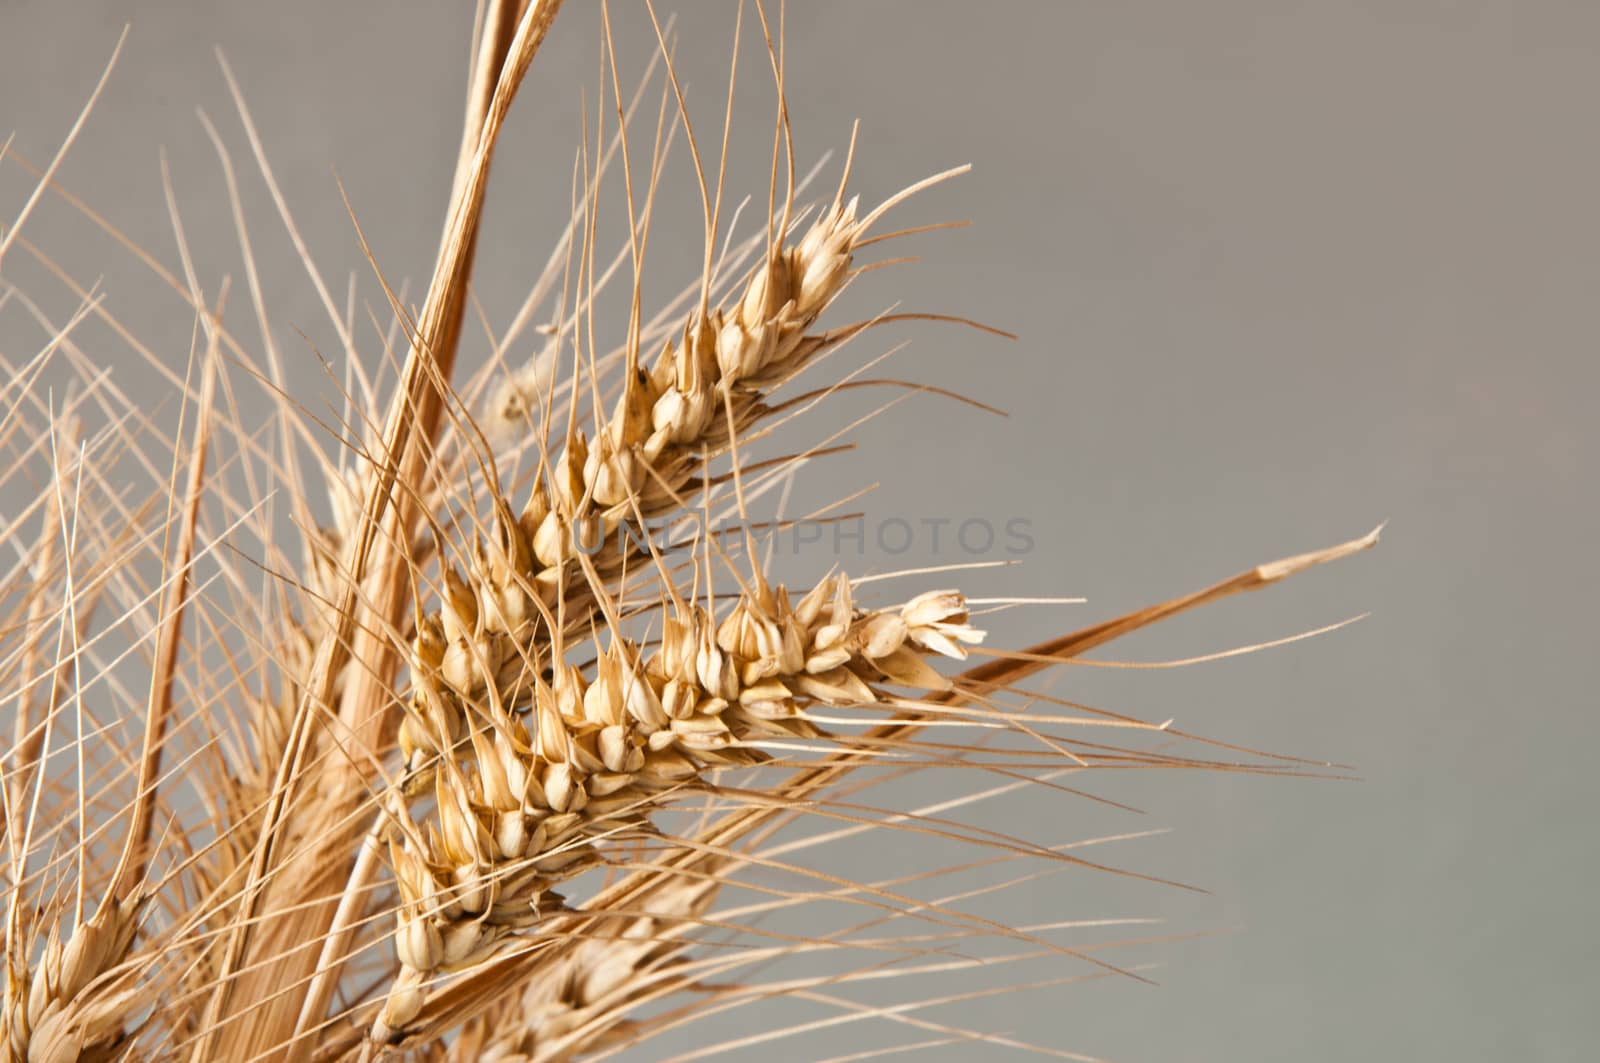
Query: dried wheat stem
135, 856
28, 727
372, 601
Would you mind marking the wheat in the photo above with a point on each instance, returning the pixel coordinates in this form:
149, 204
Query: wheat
601, 754
73, 1005
477, 763
571, 1007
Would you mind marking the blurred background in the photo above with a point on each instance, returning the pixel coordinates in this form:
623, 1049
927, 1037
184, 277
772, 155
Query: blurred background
1278, 272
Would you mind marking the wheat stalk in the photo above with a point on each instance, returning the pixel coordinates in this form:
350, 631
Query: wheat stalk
475, 762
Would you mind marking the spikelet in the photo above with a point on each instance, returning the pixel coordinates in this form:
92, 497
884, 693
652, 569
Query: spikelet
65, 1009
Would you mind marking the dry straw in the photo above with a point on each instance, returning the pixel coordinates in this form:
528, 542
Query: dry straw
424, 729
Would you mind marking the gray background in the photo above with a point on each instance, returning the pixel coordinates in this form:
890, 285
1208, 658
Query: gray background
1280, 271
